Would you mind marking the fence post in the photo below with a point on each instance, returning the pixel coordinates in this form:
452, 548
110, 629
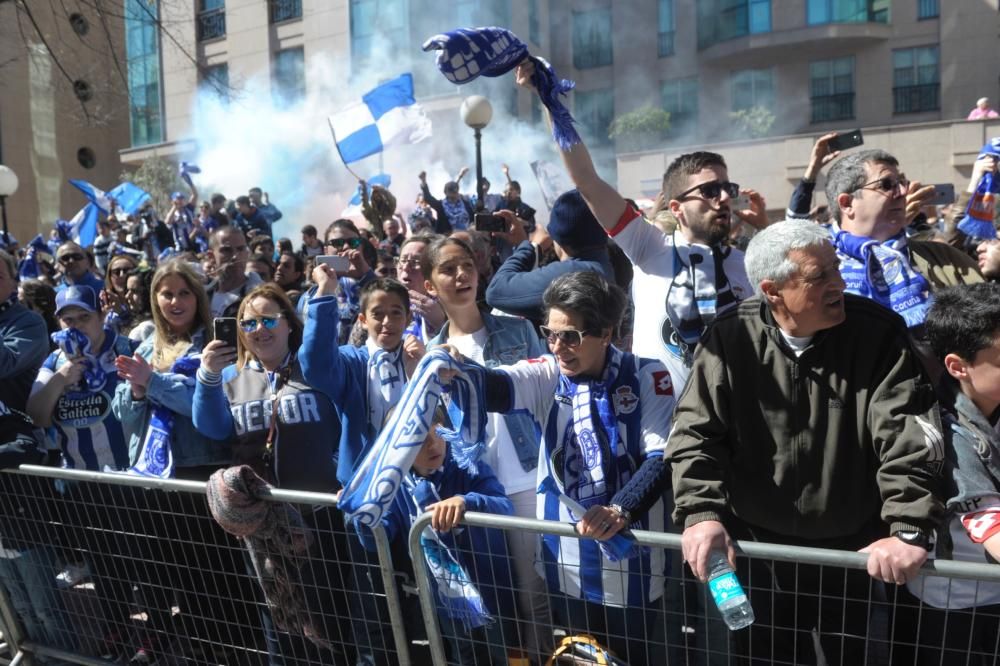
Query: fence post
392, 596
13, 631
426, 591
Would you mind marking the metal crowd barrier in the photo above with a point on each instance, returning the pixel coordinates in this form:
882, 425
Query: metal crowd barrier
164, 577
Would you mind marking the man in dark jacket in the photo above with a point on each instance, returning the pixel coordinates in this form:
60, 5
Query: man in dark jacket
807, 420
579, 242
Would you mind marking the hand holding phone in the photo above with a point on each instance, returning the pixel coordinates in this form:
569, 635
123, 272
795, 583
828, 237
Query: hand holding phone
338, 263
846, 140
488, 222
224, 329
944, 194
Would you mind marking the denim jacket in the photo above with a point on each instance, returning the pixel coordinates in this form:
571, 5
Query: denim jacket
508, 341
175, 392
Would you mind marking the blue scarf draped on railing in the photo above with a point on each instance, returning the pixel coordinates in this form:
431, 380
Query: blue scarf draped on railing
622, 546
979, 215
377, 479
75, 344
467, 53
155, 457
882, 272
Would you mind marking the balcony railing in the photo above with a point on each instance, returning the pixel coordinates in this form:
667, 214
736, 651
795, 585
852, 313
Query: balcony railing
912, 99
832, 107
211, 24
285, 10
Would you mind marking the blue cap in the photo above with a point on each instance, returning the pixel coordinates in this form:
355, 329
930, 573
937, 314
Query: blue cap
77, 295
177, 195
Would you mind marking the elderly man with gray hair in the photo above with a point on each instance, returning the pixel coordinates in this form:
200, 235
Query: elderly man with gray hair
868, 199
807, 420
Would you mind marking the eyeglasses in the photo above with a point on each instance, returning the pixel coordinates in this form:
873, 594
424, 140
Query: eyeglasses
568, 336
70, 256
341, 243
408, 262
887, 184
712, 190
270, 323
120, 271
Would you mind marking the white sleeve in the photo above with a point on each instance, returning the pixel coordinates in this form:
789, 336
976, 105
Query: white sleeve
533, 384
41, 379
641, 241
656, 395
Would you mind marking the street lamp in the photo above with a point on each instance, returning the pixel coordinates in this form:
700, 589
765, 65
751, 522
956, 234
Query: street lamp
477, 113
8, 185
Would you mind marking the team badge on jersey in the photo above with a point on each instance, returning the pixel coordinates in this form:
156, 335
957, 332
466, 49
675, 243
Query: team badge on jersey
662, 384
625, 400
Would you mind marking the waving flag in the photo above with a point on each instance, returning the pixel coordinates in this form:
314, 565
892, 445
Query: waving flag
383, 179
95, 195
28, 269
386, 115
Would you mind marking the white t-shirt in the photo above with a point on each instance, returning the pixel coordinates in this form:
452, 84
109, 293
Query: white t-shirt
500, 452
797, 343
652, 253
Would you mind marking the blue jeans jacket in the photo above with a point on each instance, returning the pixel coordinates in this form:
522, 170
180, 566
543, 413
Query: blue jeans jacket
508, 341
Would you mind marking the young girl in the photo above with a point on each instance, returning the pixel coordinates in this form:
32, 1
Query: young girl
451, 276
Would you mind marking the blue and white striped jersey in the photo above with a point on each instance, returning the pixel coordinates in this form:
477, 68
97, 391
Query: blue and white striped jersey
643, 401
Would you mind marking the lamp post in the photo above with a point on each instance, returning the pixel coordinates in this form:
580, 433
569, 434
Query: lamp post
8, 185
477, 113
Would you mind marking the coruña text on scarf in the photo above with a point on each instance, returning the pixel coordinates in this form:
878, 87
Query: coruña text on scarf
980, 213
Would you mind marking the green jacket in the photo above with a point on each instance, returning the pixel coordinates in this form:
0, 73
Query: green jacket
813, 447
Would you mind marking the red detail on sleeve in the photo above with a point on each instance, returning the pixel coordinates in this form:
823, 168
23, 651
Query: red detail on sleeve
662, 384
628, 215
982, 525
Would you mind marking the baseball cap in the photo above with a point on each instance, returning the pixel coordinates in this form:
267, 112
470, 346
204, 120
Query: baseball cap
80, 296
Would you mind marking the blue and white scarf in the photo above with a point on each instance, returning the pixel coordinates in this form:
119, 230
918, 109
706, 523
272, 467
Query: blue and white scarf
456, 592
882, 272
979, 215
156, 457
467, 53
457, 214
377, 479
186, 169
386, 379
588, 477
75, 344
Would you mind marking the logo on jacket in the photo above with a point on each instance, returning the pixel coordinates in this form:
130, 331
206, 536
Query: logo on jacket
662, 384
625, 400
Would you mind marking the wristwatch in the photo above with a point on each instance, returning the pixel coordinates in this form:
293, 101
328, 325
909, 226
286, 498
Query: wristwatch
624, 514
914, 538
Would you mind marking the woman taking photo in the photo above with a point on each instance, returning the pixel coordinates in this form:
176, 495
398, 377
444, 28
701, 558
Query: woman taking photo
296, 450
603, 415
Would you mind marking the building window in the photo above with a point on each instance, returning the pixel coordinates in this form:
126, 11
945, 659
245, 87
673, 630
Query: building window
86, 158
753, 87
680, 99
285, 10
142, 57
666, 32
385, 19
592, 38
847, 11
927, 9
534, 23
211, 19
215, 80
594, 110
831, 89
721, 20
288, 76
915, 80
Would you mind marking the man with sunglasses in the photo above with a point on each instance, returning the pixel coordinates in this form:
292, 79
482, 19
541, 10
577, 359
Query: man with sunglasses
681, 280
229, 247
871, 203
76, 268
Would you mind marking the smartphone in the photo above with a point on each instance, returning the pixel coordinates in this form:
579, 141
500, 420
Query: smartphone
224, 328
846, 140
944, 194
338, 263
490, 222
742, 202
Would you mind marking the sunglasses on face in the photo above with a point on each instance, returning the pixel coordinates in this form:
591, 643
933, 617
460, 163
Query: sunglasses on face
341, 243
713, 190
568, 336
120, 271
73, 256
887, 184
250, 325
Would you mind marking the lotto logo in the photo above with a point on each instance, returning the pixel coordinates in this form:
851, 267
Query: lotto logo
981, 526
662, 383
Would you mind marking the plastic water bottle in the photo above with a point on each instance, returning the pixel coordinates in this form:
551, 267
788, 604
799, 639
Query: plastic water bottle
727, 592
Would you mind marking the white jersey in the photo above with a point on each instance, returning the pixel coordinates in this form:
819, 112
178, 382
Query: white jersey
658, 260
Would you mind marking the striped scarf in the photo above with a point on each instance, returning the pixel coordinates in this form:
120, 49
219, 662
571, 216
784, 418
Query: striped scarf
156, 457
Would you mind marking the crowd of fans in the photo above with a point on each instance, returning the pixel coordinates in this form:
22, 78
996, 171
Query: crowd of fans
827, 380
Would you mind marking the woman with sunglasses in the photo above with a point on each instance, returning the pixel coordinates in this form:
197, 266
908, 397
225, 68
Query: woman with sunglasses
603, 416
114, 301
238, 394
76, 267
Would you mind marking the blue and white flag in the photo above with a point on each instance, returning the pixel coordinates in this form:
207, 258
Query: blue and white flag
129, 197
82, 229
380, 474
95, 195
28, 268
386, 115
381, 179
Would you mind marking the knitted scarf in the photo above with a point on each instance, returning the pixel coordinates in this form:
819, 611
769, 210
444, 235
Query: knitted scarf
457, 213
75, 344
882, 273
698, 291
155, 457
277, 539
386, 378
467, 53
979, 215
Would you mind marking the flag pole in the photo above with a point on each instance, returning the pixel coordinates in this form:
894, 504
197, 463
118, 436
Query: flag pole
334, 133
